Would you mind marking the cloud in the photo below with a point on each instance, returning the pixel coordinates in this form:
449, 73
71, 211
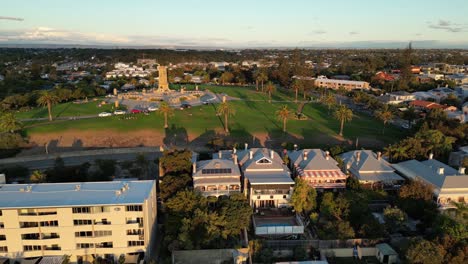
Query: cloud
448, 26
11, 18
317, 32
353, 33
248, 28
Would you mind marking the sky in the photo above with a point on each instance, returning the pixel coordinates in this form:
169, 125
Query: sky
237, 23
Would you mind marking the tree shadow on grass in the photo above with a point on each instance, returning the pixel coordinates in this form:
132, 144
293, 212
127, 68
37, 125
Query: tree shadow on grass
176, 136
42, 112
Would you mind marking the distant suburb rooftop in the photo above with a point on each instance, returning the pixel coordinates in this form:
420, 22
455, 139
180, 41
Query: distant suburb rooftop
74, 194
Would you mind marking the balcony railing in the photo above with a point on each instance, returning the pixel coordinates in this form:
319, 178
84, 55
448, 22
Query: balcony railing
52, 248
329, 185
256, 192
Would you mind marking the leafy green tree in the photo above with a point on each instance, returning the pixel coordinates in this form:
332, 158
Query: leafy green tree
329, 100
176, 161
352, 183
385, 115
424, 251
300, 253
166, 110
226, 109
38, 176
304, 196
8, 122
48, 99
171, 184
339, 229
270, 88
226, 77
334, 208
343, 114
394, 218
283, 114
237, 214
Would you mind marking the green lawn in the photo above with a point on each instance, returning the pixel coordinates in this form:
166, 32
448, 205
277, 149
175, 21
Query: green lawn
251, 119
66, 109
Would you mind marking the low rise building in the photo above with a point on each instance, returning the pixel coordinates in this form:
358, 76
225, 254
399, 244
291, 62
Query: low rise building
86, 221
318, 168
335, 84
371, 169
397, 97
448, 183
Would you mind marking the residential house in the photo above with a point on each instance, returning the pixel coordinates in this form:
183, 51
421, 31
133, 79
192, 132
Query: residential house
448, 183
462, 92
218, 176
318, 168
427, 106
459, 79
371, 169
267, 180
397, 97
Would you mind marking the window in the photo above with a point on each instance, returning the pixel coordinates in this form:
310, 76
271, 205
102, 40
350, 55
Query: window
102, 233
134, 208
133, 232
49, 223
31, 248
82, 222
84, 245
28, 224
105, 245
264, 161
2, 225
1, 213
33, 236
84, 234
136, 243
4, 249
2, 237
81, 210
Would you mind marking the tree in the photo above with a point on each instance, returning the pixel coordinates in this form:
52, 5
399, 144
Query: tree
385, 115
48, 99
166, 110
270, 88
226, 77
331, 207
343, 114
8, 122
394, 218
424, 251
297, 85
339, 229
262, 78
176, 161
304, 196
410, 115
227, 110
283, 114
329, 100
171, 184
38, 177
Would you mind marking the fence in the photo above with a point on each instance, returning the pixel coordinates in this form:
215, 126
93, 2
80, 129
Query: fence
320, 244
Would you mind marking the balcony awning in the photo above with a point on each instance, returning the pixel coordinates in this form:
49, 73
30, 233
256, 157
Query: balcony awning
322, 174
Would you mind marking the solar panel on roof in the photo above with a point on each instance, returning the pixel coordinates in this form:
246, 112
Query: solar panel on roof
216, 171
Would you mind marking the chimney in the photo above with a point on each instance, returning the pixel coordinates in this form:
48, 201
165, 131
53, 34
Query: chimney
327, 155
220, 154
235, 159
440, 171
272, 154
77, 187
234, 150
296, 147
431, 156
358, 156
461, 170
246, 146
251, 154
379, 155
304, 155
194, 166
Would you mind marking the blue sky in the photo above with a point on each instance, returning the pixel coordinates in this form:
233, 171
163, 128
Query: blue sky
240, 23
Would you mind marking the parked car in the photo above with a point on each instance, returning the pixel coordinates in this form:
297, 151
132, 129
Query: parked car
205, 102
405, 126
184, 106
153, 108
136, 111
104, 114
120, 112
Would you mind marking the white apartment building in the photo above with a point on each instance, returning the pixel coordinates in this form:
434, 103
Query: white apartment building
83, 220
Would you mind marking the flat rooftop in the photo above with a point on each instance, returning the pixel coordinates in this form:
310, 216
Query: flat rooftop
74, 194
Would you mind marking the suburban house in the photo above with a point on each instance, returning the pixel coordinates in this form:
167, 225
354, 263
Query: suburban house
335, 84
218, 176
318, 168
371, 169
449, 184
397, 97
427, 106
267, 180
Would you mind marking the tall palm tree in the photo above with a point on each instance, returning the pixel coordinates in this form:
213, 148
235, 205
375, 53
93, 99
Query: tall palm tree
283, 114
343, 114
329, 100
8, 122
166, 110
297, 85
410, 114
396, 152
270, 87
385, 114
227, 110
48, 99
262, 77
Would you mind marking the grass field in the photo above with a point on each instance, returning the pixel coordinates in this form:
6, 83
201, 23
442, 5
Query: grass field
66, 109
252, 119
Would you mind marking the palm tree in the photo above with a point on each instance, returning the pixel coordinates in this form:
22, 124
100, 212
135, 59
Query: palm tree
297, 85
227, 110
48, 99
8, 122
343, 114
410, 114
262, 77
396, 152
283, 114
270, 87
38, 177
329, 100
166, 110
385, 115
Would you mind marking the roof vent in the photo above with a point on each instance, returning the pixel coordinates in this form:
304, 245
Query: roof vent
29, 188
220, 154
118, 192
305, 155
358, 156
327, 155
440, 171
272, 154
461, 170
379, 155
246, 146
251, 154
77, 187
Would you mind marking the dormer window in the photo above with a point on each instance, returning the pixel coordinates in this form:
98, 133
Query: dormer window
264, 161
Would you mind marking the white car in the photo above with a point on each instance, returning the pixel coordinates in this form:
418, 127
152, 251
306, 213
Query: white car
119, 112
104, 114
153, 108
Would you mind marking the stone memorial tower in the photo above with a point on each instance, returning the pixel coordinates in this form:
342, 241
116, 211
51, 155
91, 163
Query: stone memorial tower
163, 84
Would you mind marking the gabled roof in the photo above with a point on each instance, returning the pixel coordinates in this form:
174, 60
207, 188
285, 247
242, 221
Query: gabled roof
316, 160
368, 167
216, 168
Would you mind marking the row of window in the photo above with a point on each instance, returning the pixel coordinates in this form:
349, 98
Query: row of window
100, 233
36, 248
4, 249
104, 209
36, 224
136, 243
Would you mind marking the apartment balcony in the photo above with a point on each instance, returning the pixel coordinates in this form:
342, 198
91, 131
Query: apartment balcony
103, 223
36, 217
270, 192
326, 185
136, 237
134, 224
219, 192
